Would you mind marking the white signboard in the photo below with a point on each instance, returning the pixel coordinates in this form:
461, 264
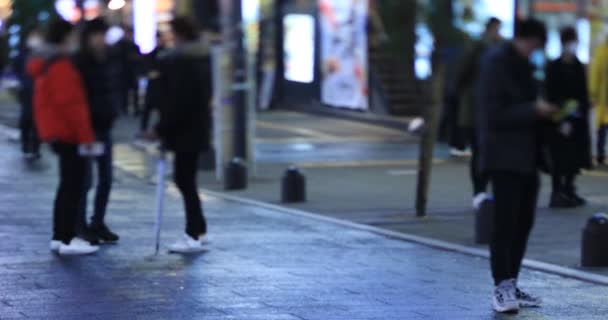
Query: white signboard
344, 53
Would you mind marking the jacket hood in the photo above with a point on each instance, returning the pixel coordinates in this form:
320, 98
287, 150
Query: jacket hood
38, 58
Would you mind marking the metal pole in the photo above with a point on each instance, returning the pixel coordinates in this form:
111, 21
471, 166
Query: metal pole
240, 85
427, 145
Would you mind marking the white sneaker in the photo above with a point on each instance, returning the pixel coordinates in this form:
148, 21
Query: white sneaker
454, 152
525, 299
188, 245
55, 245
77, 247
505, 300
478, 199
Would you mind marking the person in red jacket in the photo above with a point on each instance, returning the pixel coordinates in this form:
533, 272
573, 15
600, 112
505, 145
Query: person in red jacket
61, 113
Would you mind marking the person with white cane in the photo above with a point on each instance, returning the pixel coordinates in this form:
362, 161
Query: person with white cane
184, 126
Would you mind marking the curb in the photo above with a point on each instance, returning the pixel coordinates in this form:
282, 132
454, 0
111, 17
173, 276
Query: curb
428, 242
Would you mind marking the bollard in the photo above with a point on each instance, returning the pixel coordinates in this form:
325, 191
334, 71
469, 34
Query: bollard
594, 250
235, 177
293, 186
484, 222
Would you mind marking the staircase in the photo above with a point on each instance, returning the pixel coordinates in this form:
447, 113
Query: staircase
403, 94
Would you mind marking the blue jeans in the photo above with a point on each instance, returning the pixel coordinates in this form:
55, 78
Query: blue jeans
104, 184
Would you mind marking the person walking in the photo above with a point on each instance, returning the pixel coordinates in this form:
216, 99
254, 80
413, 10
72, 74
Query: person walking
569, 141
30, 143
61, 113
184, 126
99, 74
465, 83
509, 115
598, 83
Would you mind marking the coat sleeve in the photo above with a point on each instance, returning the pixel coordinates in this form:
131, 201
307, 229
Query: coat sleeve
72, 100
495, 91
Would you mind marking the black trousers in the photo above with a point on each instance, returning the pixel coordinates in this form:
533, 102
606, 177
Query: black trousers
104, 184
515, 197
30, 143
185, 170
480, 179
72, 169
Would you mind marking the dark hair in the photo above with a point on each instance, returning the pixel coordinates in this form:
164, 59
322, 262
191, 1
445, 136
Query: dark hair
568, 34
492, 22
185, 28
531, 28
58, 31
97, 25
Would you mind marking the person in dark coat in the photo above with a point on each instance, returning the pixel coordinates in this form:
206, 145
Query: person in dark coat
30, 143
570, 143
465, 83
152, 65
99, 73
509, 116
184, 126
129, 54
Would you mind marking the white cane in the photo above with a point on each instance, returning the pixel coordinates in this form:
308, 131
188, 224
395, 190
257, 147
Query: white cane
161, 171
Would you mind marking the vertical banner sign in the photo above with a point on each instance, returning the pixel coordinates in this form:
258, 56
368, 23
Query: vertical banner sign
344, 53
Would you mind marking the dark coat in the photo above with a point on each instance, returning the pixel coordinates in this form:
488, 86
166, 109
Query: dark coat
185, 113
568, 81
102, 88
152, 69
507, 122
26, 90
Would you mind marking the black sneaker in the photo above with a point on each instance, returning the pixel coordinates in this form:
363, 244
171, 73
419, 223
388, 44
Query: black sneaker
90, 236
561, 201
578, 200
104, 233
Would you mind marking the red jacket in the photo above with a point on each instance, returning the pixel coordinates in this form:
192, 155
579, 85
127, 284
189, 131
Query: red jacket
61, 110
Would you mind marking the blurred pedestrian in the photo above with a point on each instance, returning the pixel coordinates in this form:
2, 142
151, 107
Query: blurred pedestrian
62, 117
152, 66
465, 84
184, 127
509, 115
599, 96
129, 55
30, 143
100, 75
570, 144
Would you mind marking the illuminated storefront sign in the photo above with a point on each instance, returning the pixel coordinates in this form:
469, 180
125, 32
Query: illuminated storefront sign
145, 24
299, 47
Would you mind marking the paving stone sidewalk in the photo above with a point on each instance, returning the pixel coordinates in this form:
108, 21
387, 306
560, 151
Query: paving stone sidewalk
261, 264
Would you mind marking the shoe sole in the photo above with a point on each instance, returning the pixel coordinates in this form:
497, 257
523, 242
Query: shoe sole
77, 253
509, 310
529, 305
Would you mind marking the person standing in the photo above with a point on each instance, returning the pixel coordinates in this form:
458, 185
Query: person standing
100, 75
569, 140
129, 55
509, 115
152, 98
61, 113
184, 126
598, 83
465, 83
30, 143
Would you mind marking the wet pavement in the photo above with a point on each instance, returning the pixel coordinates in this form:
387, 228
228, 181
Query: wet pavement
261, 264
